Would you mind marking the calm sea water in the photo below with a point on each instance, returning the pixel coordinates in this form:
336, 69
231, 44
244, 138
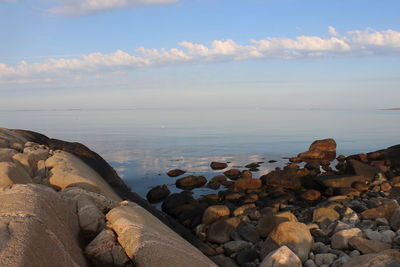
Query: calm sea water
143, 144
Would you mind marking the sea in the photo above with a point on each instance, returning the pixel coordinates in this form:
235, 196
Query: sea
144, 144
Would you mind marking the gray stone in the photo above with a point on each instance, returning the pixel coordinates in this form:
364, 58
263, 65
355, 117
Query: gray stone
325, 258
395, 220
372, 260
91, 219
220, 231
223, 261
235, 246
368, 246
340, 261
248, 232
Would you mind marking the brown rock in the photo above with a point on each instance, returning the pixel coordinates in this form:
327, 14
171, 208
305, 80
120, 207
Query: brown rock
282, 257
158, 193
12, 173
247, 183
385, 210
240, 210
366, 246
360, 186
190, 182
218, 165
220, 230
213, 213
372, 260
175, 173
232, 174
323, 214
311, 195
340, 180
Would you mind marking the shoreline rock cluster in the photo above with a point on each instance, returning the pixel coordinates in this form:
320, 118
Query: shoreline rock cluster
319, 210
55, 210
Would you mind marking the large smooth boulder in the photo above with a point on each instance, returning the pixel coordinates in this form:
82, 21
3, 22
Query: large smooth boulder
13, 173
373, 260
213, 213
190, 182
67, 170
148, 242
362, 169
340, 240
366, 246
37, 228
320, 149
9, 139
294, 235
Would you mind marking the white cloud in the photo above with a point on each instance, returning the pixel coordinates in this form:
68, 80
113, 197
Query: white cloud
354, 43
332, 31
86, 7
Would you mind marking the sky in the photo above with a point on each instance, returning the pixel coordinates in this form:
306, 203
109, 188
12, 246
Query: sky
342, 54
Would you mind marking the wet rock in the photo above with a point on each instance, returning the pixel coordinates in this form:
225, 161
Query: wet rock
158, 193
175, 173
287, 178
385, 210
219, 179
320, 149
340, 240
218, 165
213, 185
322, 214
234, 196
235, 246
294, 235
368, 246
232, 174
190, 182
281, 257
213, 213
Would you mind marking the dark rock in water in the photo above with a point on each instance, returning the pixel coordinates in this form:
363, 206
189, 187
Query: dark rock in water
359, 168
175, 173
176, 200
218, 165
340, 180
223, 261
232, 174
246, 255
252, 165
190, 182
313, 165
219, 178
246, 174
272, 161
247, 183
158, 193
320, 149
213, 185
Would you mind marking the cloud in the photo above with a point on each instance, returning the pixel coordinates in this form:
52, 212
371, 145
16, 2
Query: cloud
355, 43
87, 7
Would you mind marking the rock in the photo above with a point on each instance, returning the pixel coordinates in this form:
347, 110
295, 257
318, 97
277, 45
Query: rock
7, 154
213, 213
219, 179
247, 183
360, 186
175, 173
218, 165
324, 258
105, 250
68, 170
248, 232
91, 219
340, 240
320, 149
282, 257
375, 260
223, 261
234, 197
395, 219
158, 193
253, 165
368, 246
232, 174
309, 263
190, 182
311, 195
322, 214
37, 228
385, 210
220, 230
268, 223
338, 181
319, 247
12, 140
294, 235
154, 243
213, 185
12, 173
25, 161
240, 210
235, 246
246, 255
340, 261
362, 169
287, 178
172, 202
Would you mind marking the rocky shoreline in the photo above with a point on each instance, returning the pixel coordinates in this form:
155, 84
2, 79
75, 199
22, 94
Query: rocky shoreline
319, 210
61, 204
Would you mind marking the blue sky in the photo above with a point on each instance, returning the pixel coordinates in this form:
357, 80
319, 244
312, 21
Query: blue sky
199, 53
